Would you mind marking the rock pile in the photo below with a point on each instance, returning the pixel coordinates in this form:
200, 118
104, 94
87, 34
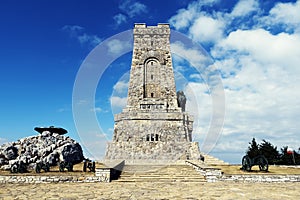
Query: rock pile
47, 147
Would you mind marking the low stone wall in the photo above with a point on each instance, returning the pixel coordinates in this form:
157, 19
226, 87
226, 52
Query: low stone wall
101, 175
210, 174
260, 178
108, 174
112, 172
51, 179
214, 175
104, 174
210, 177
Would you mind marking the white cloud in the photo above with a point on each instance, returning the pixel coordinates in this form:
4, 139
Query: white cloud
285, 13
262, 81
120, 18
96, 109
258, 57
199, 105
61, 110
194, 56
3, 141
207, 29
116, 46
201, 26
185, 16
94, 144
177, 66
118, 102
132, 8
82, 102
244, 7
89, 39
121, 87
77, 32
73, 29
195, 76
64, 109
282, 49
118, 99
208, 2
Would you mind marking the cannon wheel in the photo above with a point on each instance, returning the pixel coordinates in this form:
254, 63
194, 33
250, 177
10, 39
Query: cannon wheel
61, 166
263, 163
47, 168
38, 168
246, 163
69, 166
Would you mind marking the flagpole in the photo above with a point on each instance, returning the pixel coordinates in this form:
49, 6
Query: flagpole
294, 158
291, 151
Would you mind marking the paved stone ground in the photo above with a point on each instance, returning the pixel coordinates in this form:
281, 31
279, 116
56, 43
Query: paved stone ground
220, 190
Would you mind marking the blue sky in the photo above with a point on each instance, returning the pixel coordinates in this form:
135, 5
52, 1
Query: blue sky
255, 45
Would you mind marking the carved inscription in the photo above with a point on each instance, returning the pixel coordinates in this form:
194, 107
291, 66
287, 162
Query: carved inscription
152, 106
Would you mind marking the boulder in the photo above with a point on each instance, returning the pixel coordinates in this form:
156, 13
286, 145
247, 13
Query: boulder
10, 153
51, 147
72, 153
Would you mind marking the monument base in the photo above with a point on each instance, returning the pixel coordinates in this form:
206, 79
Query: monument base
151, 151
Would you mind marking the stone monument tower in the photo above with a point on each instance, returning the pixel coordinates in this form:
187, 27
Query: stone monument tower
152, 126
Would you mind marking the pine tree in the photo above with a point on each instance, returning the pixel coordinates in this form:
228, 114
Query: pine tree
269, 151
285, 158
288, 159
253, 149
272, 154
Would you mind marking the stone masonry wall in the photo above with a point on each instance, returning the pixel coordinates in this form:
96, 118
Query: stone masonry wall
261, 178
141, 130
52, 179
152, 126
155, 150
151, 44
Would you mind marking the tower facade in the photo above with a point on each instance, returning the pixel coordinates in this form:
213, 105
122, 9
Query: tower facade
152, 126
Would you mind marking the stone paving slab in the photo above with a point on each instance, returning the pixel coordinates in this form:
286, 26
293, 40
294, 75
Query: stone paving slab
115, 190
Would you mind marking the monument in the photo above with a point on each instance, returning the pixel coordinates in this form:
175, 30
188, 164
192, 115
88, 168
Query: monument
154, 125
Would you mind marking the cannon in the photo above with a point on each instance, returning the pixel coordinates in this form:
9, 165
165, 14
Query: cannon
67, 165
88, 164
261, 161
18, 167
42, 166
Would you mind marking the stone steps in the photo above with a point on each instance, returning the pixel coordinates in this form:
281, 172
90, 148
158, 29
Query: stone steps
170, 173
213, 161
142, 168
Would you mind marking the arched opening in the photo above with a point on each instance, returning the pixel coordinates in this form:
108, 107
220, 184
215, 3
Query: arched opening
152, 73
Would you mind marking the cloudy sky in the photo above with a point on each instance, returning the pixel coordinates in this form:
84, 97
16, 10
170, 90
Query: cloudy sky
254, 44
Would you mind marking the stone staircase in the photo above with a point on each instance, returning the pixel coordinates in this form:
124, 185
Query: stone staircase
160, 173
213, 161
